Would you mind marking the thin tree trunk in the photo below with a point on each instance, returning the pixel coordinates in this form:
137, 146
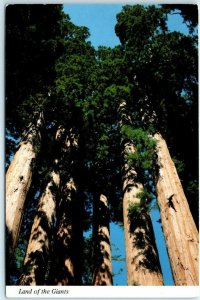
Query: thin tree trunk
142, 262
39, 245
18, 181
180, 232
102, 251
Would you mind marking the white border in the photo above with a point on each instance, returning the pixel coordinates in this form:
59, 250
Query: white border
115, 292
75, 292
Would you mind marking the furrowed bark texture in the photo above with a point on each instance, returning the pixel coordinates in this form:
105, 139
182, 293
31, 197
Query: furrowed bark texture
143, 267
102, 250
18, 181
39, 245
63, 266
178, 225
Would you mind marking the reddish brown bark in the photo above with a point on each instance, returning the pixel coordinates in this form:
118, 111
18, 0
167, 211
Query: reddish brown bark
65, 261
102, 251
180, 231
39, 247
63, 272
18, 181
142, 263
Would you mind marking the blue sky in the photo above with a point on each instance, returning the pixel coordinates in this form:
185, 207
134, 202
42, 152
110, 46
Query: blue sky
101, 20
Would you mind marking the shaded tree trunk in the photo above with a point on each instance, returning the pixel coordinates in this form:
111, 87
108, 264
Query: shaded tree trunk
102, 274
39, 246
66, 262
180, 232
142, 262
77, 242
62, 271
18, 181
143, 267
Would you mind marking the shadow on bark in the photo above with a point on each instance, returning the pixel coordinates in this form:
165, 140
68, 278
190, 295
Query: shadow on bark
66, 267
40, 243
143, 239
9, 257
62, 270
102, 274
35, 268
140, 226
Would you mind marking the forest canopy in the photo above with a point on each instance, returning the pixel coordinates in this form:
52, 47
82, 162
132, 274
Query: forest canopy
92, 137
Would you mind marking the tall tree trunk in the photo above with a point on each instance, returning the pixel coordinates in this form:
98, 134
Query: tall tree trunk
102, 251
18, 181
143, 267
62, 271
39, 245
66, 265
77, 242
178, 225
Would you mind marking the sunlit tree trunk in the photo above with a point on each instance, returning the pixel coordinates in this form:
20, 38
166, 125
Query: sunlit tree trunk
102, 274
18, 181
179, 229
142, 263
39, 245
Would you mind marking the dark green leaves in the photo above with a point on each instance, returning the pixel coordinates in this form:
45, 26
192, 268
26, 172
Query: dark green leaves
143, 157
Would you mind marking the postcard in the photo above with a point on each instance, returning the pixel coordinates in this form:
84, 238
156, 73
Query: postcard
101, 149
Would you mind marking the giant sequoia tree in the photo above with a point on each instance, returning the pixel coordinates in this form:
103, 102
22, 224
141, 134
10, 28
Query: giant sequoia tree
18, 181
29, 77
143, 266
159, 89
92, 125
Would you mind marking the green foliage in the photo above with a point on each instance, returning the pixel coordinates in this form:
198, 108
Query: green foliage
55, 69
87, 261
30, 69
162, 71
20, 253
180, 166
193, 187
133, 19
143, 157
189, 12
136, 210
145, 197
